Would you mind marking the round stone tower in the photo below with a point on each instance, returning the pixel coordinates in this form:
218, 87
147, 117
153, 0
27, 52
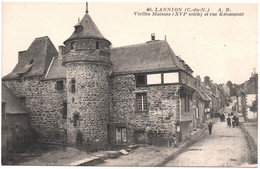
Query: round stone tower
88, 65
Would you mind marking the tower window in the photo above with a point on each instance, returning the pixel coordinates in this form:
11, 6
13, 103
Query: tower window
76, 120
72, 45
73, 87
97, 45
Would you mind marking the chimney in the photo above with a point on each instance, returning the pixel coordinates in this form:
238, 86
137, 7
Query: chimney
21, 54
198, 78
86, 7
206, 79
153, 36
61, 51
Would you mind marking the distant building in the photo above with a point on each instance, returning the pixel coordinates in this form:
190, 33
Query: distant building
248, 96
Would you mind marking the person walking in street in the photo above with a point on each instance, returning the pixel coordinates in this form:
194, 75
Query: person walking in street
228, 121
234, 121
210, 127
174, 144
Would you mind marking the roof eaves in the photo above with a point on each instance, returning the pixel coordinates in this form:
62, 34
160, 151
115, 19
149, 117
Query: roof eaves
172, 55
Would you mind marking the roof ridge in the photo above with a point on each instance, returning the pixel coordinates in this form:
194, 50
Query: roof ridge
43, 37
139, 44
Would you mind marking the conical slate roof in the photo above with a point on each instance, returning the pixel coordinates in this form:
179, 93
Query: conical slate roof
86, 28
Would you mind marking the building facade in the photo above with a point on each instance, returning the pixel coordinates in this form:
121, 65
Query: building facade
91, 94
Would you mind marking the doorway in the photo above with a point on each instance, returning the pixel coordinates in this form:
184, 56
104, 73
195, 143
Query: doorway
120, 135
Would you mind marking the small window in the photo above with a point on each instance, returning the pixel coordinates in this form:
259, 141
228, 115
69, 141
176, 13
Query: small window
23, 100
73, 87
154, 78
97, 45
140, 80
72, 46
141, 102
59, 85
31, 61
76, 120
172, 77
64, 110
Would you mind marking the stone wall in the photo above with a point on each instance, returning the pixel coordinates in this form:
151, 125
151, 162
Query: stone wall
16, 134
163, 106
44, 104
90, 102
53, 122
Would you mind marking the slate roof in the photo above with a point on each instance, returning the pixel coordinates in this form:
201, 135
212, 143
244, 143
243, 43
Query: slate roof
151, 56
57, 71
86, 28
203, 95
139, 58
35, 61
13, 104
146, 57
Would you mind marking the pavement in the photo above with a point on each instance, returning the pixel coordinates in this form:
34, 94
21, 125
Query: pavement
251, 128
250, 133
226, 147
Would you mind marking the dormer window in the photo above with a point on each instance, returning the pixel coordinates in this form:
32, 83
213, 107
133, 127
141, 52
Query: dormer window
72, 46
97, 45
78, 28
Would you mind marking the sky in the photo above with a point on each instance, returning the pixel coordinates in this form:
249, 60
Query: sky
222, 47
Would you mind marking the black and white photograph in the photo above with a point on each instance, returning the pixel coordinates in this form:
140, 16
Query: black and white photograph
129, 84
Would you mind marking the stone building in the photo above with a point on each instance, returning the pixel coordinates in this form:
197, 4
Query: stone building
202, 103
16, 131
90, 94
249, 98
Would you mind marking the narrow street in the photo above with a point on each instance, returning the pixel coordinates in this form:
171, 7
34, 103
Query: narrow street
225, 147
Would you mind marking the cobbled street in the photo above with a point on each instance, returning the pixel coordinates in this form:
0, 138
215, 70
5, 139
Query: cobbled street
225, 147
